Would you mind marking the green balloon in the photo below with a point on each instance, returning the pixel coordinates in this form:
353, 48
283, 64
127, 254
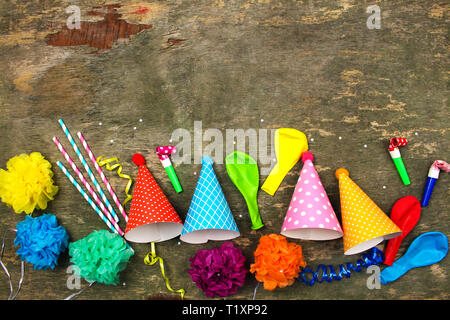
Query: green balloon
243, 172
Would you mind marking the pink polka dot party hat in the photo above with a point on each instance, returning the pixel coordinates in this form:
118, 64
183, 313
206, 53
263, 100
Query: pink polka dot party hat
365, 224
152, 217
310, 215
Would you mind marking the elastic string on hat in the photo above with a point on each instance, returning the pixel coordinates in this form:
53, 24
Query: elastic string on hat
256, 289
12, 295
76, 294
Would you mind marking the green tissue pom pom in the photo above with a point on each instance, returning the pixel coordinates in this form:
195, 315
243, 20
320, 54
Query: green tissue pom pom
100, 256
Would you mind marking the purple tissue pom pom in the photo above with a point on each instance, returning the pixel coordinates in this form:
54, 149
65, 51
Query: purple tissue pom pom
219, 271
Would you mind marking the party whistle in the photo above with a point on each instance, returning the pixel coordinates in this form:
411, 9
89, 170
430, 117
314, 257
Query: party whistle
397, 158
163, 153
433, 175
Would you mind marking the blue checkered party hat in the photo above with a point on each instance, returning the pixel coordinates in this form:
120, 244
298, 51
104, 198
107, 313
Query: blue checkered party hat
209, 216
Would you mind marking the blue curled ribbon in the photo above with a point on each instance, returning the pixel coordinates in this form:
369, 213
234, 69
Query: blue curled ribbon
373, 257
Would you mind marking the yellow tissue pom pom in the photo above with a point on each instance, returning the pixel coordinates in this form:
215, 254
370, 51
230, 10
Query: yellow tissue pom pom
27, 183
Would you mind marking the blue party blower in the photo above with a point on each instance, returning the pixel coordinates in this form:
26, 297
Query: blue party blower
427, 249
433, 175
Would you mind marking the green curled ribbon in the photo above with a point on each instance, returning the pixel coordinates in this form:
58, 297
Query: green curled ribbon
106, 163
151, 259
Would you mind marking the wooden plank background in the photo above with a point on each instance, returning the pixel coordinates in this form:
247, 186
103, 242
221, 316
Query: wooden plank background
261, 64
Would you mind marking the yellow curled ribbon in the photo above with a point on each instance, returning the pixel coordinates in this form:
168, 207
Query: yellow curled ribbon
119, 172
151, 259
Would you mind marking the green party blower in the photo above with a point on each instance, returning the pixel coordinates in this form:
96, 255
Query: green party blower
163, 153
243, 172
397, 158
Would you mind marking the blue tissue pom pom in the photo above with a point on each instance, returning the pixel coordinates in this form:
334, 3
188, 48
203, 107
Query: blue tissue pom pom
41, 241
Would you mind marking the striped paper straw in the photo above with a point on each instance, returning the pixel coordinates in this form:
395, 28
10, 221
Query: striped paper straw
88, 199
88, 170
85, 183
100, 172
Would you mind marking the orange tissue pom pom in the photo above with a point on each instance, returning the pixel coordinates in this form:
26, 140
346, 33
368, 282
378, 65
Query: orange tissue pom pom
277, 261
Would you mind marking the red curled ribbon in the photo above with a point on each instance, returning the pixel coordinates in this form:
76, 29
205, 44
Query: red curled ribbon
164, 152
397, 142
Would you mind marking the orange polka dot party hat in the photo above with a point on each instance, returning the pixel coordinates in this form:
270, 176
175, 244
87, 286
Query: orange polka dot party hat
365, 224
152, 217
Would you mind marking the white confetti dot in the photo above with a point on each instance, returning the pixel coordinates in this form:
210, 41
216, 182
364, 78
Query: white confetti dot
340, 138
240, 216
111, 140
140, 120
134, 128
100, 123
416, 133
195, 173
170, 140
365, 146
312, 139
384, 187
262, 120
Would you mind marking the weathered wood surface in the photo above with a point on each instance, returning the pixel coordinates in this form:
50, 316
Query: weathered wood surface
310, 65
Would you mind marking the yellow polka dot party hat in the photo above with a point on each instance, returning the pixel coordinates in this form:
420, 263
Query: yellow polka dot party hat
365, 224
